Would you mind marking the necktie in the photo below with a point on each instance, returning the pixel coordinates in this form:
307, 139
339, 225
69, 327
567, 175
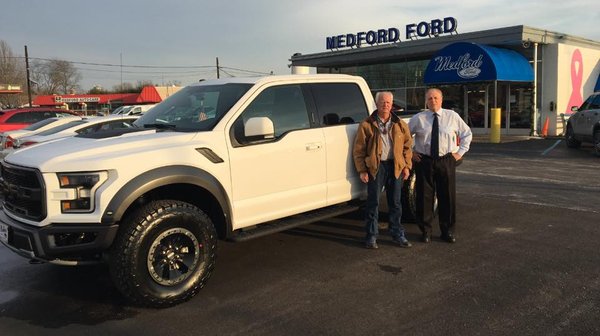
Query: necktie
435, 137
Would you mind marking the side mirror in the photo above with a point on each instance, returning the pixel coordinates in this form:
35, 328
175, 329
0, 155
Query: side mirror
259, 127
574, 108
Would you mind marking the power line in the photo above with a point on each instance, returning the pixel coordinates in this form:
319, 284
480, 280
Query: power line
153, 66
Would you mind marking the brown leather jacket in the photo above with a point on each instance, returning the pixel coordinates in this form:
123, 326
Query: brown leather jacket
368, 145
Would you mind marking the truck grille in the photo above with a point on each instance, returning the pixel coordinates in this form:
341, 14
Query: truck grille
23, 192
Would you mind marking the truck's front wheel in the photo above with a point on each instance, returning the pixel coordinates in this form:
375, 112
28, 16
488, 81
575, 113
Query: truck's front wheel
164, 254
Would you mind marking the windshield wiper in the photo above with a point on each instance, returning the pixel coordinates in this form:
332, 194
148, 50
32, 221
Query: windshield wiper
160, 126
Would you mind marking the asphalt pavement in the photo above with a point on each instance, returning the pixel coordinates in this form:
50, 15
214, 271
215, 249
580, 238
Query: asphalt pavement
526, 262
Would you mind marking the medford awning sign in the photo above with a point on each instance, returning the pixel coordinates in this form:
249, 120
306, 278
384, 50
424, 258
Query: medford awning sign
392, 35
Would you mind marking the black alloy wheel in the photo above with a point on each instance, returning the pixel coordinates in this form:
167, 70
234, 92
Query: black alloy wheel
164, 253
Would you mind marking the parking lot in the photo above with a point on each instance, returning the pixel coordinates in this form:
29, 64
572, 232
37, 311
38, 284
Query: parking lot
526, 262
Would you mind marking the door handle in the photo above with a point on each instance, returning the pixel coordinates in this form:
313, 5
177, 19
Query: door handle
313, 146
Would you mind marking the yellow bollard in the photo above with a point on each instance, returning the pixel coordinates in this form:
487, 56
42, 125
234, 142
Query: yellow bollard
495, 125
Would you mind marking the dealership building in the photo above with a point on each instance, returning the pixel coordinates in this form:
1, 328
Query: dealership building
533, 75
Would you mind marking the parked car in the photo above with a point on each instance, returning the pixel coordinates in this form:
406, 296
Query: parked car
132, 109
7, 138
83, 126
20, 118
584, 124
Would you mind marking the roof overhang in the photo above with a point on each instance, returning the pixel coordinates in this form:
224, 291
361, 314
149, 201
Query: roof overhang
465, 62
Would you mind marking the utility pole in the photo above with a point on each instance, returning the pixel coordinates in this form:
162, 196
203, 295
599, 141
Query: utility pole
218, 68
28, 81
121, 59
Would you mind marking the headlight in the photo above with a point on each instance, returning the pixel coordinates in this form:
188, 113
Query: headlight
82, 187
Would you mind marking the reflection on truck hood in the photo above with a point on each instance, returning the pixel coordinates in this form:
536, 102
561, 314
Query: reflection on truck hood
78, 153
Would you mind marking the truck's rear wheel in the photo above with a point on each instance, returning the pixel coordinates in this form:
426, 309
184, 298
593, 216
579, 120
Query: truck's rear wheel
409, 198
164, 254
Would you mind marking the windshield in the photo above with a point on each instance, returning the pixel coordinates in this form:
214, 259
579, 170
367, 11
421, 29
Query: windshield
39, 124
122, 110
118, 110
194, 108
62, 127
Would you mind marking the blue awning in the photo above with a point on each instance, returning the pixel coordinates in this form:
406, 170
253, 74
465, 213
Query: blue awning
465, 62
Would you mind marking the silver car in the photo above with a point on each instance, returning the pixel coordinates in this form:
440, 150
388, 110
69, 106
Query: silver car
584, 124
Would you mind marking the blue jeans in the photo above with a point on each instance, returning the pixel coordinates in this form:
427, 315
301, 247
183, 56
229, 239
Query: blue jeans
393, 188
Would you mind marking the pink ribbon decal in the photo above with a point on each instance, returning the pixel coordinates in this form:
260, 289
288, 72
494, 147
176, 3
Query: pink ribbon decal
576, 80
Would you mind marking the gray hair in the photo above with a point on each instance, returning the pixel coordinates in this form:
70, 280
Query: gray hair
379, 94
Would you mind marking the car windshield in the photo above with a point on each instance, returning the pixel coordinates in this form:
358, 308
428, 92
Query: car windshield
39, 124
194, 108
62, 127
118, 110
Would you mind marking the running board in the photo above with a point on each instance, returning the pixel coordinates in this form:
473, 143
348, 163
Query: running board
292, 222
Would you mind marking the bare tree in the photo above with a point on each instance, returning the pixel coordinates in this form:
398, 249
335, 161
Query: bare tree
12, 71
125, 87
142, 83
55, 76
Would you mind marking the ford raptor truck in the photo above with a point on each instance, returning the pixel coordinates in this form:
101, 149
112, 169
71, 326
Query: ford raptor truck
231, 159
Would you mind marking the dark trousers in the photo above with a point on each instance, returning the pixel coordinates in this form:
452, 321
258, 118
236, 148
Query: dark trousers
436, 177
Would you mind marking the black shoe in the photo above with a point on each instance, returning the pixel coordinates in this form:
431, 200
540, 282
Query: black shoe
449, 238
425, 238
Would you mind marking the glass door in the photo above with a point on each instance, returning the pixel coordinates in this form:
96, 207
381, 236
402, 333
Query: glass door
477, 105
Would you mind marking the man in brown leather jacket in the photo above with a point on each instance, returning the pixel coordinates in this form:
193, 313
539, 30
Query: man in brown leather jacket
383, 156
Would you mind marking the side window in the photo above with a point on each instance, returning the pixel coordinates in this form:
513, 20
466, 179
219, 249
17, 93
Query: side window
19, 118
595, 103
592, 102
88, 129
27, 117
339, 103
37, 116
283, 105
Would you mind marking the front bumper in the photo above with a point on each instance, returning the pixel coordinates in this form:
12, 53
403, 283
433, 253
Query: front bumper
68, 244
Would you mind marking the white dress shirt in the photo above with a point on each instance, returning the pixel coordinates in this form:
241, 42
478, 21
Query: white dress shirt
455, 135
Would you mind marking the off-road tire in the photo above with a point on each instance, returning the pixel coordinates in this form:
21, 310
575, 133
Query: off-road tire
570, 138
164, 253
409, 198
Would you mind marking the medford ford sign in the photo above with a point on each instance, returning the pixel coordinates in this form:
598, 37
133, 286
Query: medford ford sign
391, 35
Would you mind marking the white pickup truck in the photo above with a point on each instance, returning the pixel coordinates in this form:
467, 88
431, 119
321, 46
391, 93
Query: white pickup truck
222, 159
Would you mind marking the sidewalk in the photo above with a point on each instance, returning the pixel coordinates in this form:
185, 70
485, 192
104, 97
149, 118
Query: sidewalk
485, 138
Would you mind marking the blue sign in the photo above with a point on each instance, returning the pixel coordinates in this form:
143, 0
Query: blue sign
391, 35
470, 62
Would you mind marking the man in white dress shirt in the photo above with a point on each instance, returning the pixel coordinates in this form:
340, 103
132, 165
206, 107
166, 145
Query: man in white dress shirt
441, 138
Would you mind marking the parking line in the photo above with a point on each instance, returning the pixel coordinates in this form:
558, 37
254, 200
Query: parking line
551, 147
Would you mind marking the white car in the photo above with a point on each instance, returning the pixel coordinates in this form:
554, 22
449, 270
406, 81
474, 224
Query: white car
7, 138
74, 127
132, 109
584, 124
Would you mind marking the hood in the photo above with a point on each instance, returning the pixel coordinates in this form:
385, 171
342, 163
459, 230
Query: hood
81, 154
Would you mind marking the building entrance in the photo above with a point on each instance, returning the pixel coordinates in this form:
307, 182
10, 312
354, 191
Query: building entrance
475, 101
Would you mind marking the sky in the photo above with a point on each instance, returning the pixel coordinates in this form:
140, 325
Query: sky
111, 41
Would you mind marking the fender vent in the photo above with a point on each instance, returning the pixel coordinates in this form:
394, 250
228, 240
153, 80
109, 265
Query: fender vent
210, 155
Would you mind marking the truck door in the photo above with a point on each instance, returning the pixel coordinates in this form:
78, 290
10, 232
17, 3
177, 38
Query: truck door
280, 175
339, 118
